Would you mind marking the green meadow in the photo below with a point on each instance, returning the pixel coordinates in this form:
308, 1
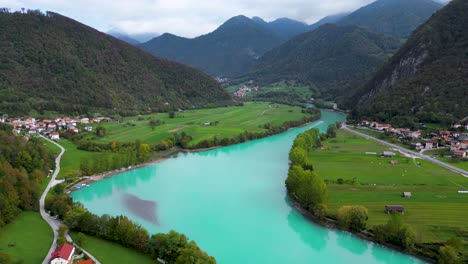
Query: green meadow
110, 252
202, 124
436, 210
31, 236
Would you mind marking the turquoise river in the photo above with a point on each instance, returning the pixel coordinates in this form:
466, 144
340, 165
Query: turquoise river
232, 201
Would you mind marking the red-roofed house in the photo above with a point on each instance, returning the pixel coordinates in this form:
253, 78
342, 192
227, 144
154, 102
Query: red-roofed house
54, 135
459, 153
63, 254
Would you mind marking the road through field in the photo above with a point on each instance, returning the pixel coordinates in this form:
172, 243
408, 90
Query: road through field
419, 155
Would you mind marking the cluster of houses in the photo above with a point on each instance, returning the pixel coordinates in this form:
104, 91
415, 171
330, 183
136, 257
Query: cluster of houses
242, 91
51, 128
457, 141
65, 254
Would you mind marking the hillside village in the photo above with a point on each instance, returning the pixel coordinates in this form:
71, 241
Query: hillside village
51, 128
455, 139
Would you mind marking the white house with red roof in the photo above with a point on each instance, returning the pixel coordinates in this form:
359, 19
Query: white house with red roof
63, 254
54, 135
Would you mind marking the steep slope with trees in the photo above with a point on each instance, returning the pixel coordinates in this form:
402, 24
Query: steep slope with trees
51, 62
426, 81
228, 51
331, 59
397, 18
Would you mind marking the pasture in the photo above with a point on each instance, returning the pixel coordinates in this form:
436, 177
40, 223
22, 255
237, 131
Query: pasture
30, 235
436, 210
110, 252
201, 124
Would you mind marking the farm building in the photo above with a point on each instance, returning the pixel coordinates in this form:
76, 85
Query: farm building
407, 194
389, 209
388, 154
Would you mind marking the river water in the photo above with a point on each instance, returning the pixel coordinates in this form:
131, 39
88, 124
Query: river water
232, 201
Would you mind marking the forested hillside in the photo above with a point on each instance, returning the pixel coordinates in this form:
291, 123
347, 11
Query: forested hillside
23, 166
228, 51
50, 62
397, 18
331, 59
426, 81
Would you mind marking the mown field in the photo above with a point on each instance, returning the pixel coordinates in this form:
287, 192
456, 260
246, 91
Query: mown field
436, 210
109, 252
224, 122
31, 236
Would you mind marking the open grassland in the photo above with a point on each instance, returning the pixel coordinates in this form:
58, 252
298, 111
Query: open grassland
290, 88
31, 236
436, 210
72, 157
223, 122
110, 252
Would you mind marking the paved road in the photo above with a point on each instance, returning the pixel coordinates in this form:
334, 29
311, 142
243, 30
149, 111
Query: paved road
419, 155
54, 223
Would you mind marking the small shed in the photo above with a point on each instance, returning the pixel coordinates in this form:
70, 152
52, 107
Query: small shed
388, 154
389, 209
407, 194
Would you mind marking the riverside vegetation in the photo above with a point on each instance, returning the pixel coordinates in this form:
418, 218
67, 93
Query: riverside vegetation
171, 247
135, 140
358, 186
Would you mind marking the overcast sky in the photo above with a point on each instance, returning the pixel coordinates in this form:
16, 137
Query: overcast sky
188, 18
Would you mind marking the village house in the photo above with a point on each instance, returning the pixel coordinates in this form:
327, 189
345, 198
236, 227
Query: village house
84, 120
390, 209
431, 144
63, 254
464, 144
364, 123
417, 145
88, 128
459, 154
455, 146
54, 135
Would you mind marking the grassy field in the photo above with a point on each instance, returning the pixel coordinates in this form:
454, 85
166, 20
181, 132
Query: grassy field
109, 252
300, 91
224, 122
437, 211
30, 234
72, 157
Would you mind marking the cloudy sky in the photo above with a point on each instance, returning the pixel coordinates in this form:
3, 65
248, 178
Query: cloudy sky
186, 18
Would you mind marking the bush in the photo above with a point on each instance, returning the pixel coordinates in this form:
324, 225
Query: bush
353, 217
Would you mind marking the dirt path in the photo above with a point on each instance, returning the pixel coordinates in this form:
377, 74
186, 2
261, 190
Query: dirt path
177, 129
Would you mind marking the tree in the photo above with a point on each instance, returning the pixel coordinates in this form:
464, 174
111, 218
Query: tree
192, 254
171, 114
331, 131
100, 131
144, 151
448, 255
80, 239
353, 217
297, 156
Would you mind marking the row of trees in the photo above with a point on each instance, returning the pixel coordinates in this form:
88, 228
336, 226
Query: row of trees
171, 247
246, 135
302, 183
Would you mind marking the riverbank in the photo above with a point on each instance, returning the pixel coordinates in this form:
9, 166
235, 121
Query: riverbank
356, 174
332, 224
87, 180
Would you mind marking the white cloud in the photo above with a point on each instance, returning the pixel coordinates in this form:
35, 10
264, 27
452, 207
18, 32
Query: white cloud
186, 18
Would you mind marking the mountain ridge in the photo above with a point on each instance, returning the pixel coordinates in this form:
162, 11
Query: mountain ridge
53, 63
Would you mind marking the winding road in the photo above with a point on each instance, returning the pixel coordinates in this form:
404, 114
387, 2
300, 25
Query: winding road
464, 173
54, 223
